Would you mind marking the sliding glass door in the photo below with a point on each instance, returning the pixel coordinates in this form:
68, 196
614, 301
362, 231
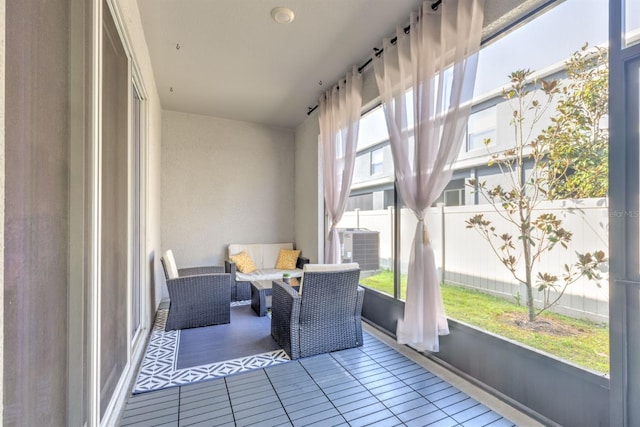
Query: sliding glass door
624, 212
625, 249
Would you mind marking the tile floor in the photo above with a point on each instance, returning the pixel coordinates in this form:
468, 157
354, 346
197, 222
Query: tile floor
374, 385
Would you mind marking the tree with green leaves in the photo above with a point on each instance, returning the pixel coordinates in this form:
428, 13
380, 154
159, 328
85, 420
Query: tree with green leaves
577, 141
531, 234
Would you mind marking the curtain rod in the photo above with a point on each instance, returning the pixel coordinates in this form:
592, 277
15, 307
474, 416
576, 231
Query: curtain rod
378, 52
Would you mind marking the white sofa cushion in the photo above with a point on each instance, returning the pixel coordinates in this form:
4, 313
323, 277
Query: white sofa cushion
326, 267
263, 255
266, 274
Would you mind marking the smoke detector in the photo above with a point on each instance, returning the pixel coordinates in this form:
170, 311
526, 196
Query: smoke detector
282, 15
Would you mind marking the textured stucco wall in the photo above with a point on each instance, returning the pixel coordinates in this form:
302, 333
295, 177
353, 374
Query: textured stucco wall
2, 29
36, 198
224, 181
309, 218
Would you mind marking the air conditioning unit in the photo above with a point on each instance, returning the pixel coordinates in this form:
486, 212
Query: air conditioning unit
361, 246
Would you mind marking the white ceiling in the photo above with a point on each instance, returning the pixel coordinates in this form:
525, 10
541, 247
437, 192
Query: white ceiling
234, 61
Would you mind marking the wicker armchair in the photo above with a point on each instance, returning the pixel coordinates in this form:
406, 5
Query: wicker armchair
200, 296
325, 317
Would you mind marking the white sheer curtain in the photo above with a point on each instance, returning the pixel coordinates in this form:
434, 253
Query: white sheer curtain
339, 123
426, 83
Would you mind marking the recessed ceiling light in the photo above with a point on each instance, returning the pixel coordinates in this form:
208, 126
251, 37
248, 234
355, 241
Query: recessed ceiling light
282, 15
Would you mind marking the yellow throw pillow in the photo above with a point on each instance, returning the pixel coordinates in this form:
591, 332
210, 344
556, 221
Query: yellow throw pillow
243, 262
287, 259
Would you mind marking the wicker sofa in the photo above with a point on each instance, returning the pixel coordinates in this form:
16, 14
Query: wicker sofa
264, 256
324, 316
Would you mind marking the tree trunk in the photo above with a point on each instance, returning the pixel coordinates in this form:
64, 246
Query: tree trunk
528, 266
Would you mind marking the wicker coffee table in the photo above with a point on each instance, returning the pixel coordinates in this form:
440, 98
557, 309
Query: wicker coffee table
261, 295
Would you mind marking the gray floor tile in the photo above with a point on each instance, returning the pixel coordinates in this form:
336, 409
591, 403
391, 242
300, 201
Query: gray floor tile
445, 422
305, 402
311, 411
204, 406
421, 379
213, 404
210, 418
470, 413
502, 422
369, 386
416, 412
345, 385
345, 393
362, 411
391, 391
404, 398
219, 422
373, 373
433, 388
375, 418
159, 416
338, 420
443, 394
410, 404
486, 418
150, 408
155, 394
269, 415
354, 400
385, 384
452, 399
387, 422
296, 393
246, 389
429, 419
401, 367
460, 406
259, 398
316, 418
268, 420
195, 395
300, 394
260, 407
165, 422
160, 400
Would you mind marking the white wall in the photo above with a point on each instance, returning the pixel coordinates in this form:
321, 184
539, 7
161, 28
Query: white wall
154, 192
309, 217
224, 181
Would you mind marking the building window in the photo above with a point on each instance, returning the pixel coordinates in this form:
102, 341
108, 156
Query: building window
482, 127
377, 161
454, 197
363, 202
632, 22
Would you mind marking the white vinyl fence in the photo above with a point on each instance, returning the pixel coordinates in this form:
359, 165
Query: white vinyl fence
466, 259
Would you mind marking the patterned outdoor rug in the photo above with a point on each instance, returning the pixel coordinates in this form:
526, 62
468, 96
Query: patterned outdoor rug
160, 368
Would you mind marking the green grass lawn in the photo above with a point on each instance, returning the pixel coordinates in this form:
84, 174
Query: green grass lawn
578, 341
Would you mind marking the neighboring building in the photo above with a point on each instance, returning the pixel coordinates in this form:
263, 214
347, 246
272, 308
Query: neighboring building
372, 186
